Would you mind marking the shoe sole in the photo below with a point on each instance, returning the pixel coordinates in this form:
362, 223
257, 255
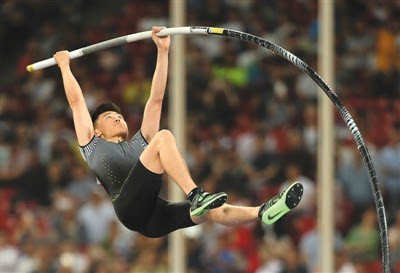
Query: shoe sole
213, 203
289, 200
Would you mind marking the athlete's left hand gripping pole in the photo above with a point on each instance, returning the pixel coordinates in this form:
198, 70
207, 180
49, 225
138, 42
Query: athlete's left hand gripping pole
118, 41
51, 61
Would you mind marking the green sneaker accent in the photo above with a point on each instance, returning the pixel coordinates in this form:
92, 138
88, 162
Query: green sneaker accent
281, 204
205, 201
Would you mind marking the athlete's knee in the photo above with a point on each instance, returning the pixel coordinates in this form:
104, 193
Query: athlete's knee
164, 136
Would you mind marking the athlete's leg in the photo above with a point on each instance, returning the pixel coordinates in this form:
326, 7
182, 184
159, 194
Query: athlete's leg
167, 217
268, 212
229, 215
170, 216
163, 154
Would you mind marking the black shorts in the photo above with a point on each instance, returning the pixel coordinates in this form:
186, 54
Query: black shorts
140, 209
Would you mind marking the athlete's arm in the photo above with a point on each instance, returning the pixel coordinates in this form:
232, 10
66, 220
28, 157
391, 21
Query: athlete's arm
82, 120
152, 110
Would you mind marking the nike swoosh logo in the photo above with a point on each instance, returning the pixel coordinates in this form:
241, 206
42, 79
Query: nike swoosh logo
270, 217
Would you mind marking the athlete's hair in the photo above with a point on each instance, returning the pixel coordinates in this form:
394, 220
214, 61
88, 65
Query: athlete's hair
105, 107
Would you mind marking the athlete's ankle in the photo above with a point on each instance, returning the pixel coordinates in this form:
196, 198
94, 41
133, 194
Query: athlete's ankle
192, 194
260, 210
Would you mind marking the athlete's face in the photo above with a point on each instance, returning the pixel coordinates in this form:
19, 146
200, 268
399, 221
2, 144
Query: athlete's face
111, 124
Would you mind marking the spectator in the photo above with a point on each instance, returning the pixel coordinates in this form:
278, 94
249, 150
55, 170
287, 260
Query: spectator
71, 259
390, 162
65, 219
82, 184
394, 241
9, 254
45, 258
271, 252
355, 182
95, 217
342, 264
309, 247
264, 165
362, 241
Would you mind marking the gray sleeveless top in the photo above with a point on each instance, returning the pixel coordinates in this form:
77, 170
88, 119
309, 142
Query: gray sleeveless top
111, 162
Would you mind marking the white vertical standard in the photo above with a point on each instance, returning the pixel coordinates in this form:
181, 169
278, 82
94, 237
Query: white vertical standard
326, 139
177, 108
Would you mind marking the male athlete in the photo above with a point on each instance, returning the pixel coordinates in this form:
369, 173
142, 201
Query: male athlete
131, 170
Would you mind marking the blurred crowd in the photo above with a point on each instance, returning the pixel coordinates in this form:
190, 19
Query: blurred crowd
251, 130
